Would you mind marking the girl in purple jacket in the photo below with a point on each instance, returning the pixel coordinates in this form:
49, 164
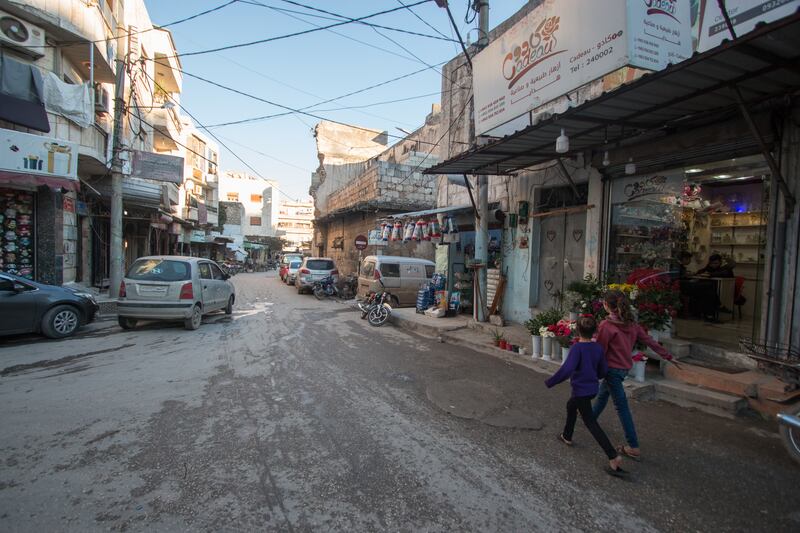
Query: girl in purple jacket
586, 366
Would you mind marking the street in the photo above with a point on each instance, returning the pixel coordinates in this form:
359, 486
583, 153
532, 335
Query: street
295, 415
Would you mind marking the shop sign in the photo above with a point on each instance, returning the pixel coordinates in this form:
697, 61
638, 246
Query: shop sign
564, 44
34, 154
374, 238
745, 15
198, 235
158, 167
651, 187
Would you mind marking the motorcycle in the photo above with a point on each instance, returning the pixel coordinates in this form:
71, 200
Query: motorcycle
326, 288
376, 308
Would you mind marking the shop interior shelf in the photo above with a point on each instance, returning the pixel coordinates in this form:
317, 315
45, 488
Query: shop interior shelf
756, 244
737, 226
633, 236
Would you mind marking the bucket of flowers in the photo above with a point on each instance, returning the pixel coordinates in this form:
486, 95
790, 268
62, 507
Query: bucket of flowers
585, 296
544, 321
657, 302
639, 364
563, 332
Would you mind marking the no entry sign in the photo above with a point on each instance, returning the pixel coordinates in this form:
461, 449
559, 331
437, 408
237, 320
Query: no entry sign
361, 242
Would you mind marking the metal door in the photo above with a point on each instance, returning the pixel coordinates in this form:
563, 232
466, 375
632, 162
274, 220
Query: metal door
562, 250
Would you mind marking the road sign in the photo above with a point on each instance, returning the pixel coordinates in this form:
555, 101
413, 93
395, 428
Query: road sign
361, 242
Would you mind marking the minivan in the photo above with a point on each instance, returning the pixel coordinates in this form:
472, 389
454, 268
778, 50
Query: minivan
402, 276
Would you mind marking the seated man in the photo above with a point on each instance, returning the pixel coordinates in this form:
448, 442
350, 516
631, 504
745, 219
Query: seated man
704, 293
716, 268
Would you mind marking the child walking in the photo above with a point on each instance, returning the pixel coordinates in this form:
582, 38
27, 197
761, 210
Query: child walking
617, 335
585, 366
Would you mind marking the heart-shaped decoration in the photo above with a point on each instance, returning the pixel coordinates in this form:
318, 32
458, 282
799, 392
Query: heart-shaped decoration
577, 234
551, 235
548, 284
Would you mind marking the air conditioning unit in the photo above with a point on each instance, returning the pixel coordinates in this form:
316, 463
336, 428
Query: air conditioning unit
102, 99
21, 36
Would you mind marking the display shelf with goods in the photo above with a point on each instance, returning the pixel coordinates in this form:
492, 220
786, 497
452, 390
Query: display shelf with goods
644, 234
739, 235
17, 235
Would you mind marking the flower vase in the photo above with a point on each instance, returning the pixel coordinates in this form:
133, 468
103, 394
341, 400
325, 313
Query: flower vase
573, 316
547, 347
536, 346
555, 353
564, 354
655, 334
638, 371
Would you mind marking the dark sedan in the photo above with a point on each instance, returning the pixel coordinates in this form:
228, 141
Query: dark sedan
31, 307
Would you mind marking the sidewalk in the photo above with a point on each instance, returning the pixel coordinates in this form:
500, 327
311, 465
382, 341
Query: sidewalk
108, 305
719, 393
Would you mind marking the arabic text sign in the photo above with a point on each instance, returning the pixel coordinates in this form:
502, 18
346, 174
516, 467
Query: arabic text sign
744, 14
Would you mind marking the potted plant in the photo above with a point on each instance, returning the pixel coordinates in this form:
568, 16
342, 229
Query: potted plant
639, 364
534, 325
657, 302
583, 295
546, 319
563, 331
497, 337
502, 344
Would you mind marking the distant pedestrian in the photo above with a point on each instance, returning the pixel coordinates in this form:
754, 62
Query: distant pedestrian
585, 366
617, 335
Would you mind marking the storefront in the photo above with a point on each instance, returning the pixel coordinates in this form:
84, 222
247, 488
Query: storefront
34, 171
702, 229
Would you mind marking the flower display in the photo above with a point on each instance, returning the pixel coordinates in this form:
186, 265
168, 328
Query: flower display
658, 302
563, 331
544, 331
639, 356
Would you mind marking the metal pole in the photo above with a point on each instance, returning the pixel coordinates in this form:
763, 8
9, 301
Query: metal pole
116, 185
482, 215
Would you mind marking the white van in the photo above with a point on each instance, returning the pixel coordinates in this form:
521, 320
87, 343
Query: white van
402, 276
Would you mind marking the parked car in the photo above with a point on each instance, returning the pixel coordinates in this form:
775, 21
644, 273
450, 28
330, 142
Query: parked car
173, 288
402, 276
291, 270
314, 269
285, 261
31, 307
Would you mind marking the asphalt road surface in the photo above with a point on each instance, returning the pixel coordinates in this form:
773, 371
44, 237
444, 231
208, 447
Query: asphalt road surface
295, 415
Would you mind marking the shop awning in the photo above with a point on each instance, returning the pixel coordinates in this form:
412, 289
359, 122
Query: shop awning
428, 212
763, 64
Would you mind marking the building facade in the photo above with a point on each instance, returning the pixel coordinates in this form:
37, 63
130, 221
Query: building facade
296, 220
361, 181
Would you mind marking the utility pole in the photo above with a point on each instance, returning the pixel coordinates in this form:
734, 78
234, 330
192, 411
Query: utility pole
116, 185
482, 215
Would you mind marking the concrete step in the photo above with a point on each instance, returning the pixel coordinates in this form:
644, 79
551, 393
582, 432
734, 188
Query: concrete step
712, 402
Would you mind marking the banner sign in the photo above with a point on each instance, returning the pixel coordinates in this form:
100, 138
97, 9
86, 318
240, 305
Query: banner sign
34, 154
564, 44
158, 167
745, 15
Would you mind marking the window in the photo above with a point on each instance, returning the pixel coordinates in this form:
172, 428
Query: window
320, 264
217, 272
196, 152
212, 161
257, 198
255, 221
233, 196
429, 270
390, 270
159, 270
368, 269
205, 271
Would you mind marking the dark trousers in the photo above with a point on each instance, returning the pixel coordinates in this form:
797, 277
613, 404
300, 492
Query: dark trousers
583, 404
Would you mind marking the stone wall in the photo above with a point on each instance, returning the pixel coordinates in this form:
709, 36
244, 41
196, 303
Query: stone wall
348, 226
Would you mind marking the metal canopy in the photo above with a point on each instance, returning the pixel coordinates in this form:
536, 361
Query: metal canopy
763, 64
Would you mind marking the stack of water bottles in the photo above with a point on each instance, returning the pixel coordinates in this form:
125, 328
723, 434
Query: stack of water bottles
426, 296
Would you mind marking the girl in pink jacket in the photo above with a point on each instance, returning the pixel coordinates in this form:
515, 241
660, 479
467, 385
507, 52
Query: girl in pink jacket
618, 334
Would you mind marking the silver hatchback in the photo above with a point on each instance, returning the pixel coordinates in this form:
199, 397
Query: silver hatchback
173, 288
314, 269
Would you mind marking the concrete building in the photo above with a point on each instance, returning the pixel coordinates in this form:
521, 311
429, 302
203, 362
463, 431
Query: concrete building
361, 180
259, 198
296, 220
636, 187
65, 53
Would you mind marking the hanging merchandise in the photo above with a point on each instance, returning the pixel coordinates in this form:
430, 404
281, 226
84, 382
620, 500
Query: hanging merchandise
397, 231
451, 225
16, 233
426, 231
417, 236
445, 222
433, 225
386, 230
409, 232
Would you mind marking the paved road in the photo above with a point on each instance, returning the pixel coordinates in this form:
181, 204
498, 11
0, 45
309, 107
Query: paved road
294, 415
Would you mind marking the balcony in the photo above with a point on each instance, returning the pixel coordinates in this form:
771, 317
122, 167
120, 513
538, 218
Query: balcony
166, 125
190, 213
167, 66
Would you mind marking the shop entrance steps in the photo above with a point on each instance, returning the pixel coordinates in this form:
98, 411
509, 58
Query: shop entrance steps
690, 396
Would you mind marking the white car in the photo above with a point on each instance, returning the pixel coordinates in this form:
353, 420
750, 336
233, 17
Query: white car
167, 287
314, 269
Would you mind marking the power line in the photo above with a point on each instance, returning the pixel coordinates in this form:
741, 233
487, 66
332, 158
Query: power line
128, 34
425, 21
373, 25
274, 115
288, 35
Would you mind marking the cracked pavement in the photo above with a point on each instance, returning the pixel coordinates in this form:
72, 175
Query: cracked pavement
295, 415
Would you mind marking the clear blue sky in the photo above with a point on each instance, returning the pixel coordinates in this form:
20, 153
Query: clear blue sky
304, 70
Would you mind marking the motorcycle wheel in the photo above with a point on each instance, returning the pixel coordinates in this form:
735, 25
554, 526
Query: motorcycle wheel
319, 293
378, 316
791, 439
